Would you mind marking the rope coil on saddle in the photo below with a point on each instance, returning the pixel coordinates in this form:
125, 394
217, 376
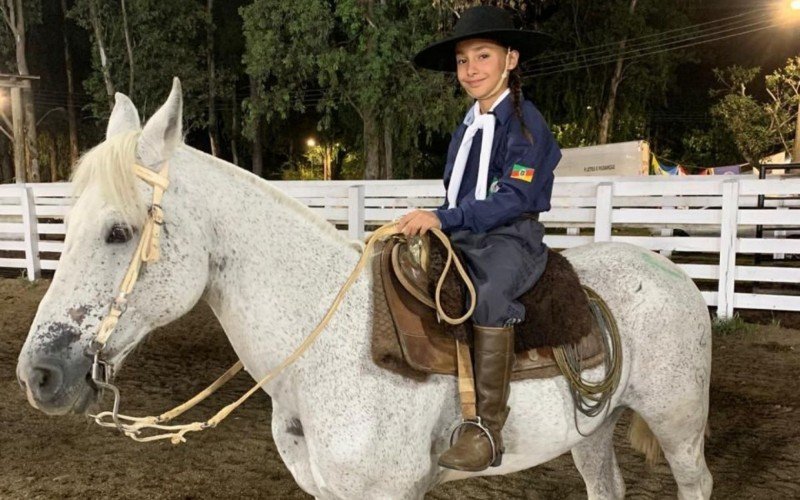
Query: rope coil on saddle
591, 398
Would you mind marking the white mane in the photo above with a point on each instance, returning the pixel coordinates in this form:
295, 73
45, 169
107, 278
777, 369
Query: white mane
106, 172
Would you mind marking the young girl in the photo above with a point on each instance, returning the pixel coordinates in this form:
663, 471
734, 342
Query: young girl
498, 177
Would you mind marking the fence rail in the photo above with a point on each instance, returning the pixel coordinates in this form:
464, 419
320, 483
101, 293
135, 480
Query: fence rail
707, 225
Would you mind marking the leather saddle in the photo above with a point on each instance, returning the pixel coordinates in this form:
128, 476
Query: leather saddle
409, 339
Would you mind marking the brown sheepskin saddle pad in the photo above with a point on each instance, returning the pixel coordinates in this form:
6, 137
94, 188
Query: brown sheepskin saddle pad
409, 340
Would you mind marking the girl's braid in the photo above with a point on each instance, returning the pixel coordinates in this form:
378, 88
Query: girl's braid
515, 83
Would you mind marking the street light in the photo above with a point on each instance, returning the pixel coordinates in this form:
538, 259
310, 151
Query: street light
311, 142
786, 13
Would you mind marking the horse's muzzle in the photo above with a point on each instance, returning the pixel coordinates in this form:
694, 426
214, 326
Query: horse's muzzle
51, 388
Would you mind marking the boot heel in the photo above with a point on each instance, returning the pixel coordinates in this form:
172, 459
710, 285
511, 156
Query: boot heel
498, 461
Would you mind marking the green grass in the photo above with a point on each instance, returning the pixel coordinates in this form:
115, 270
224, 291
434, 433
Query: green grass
731, 326
23, 280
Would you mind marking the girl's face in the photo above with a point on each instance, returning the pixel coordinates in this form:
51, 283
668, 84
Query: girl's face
480, 64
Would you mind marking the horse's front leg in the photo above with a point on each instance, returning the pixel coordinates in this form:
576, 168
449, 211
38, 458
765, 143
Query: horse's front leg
355, 458
289, 436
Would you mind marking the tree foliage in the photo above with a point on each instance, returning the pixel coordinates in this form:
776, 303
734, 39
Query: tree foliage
166, 35
33, 17
571, 80
351, 55
743, 116
755, 128
783, 87
341, 70
7, 59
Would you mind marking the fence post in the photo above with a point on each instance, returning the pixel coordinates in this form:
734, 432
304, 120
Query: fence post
602, 216
29, 221
780, 233
727, 248
666, 232
355, 212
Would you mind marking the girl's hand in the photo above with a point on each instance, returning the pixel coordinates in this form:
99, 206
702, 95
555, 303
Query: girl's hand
418, 222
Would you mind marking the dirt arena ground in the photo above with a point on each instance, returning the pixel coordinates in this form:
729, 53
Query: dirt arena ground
753, 452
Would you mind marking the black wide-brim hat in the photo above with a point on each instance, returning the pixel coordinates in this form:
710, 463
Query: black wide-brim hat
485, 21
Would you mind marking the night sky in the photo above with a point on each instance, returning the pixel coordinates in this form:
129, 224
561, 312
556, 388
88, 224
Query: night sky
768, 49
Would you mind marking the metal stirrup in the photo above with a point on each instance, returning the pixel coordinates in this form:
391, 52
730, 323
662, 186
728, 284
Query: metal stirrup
477, 422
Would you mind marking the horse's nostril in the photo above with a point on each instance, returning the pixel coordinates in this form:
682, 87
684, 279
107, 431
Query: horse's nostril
46, 381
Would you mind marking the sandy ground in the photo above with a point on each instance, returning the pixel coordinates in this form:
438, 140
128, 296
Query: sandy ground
753, 452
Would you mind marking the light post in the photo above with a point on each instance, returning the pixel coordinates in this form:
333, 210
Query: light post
325, 153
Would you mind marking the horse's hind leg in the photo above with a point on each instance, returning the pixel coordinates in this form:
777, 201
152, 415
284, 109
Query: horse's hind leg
596, 461
681, 435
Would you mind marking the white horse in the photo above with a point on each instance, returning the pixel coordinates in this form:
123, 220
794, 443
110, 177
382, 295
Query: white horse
269, 268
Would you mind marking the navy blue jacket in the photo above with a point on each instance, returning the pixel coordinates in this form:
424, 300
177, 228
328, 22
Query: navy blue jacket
510, 192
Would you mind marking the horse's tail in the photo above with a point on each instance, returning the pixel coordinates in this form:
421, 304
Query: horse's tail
643, 439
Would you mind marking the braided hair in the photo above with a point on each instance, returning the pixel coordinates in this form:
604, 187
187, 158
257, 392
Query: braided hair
515, 84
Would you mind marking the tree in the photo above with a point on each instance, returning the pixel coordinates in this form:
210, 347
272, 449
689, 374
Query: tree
213, 131
616, 80
594, 81
15, 13
783, 87
749, 122
71, 114
97, 26
162, 38
352, 54
756, 128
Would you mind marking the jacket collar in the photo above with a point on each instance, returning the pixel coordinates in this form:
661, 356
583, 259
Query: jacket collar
502, 111
505, 109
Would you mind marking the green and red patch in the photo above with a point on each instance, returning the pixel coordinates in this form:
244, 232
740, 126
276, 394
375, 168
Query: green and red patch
522, 172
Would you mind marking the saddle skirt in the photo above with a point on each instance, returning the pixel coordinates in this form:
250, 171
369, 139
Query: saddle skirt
409, 340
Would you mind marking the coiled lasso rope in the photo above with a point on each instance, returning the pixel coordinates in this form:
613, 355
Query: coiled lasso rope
176, 433
590, 398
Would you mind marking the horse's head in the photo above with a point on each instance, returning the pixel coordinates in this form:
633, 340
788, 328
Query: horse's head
104, 228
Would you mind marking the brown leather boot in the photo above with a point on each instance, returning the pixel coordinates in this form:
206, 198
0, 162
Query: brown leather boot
494, 359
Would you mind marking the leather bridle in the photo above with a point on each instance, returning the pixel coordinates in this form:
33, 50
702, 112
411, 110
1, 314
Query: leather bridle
147, 251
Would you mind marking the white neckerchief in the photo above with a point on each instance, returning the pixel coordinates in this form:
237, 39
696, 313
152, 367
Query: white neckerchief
474, 121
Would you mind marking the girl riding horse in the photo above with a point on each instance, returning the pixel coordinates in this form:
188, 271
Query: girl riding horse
498, 177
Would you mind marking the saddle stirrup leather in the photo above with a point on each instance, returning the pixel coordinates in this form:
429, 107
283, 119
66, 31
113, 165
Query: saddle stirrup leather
479, 442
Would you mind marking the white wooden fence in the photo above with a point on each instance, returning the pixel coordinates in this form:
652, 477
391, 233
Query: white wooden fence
719, 214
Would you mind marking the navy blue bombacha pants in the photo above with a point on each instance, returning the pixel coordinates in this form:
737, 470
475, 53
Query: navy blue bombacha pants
503, 264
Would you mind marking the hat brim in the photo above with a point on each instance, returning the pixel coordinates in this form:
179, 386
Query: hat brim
441, 56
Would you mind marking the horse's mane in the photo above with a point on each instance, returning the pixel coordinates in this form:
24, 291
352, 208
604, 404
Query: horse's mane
106, 172
281, 198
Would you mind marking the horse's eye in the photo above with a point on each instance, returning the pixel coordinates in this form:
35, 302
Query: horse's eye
118, 234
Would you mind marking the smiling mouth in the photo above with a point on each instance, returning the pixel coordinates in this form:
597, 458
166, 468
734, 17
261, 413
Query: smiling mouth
476, 83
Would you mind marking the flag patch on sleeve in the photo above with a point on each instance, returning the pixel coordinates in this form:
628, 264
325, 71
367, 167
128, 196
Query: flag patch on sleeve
522, 172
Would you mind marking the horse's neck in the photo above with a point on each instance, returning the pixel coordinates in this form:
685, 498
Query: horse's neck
273, 269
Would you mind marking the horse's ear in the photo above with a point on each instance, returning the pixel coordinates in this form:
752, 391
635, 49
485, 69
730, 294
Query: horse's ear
163, 132
124, 117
